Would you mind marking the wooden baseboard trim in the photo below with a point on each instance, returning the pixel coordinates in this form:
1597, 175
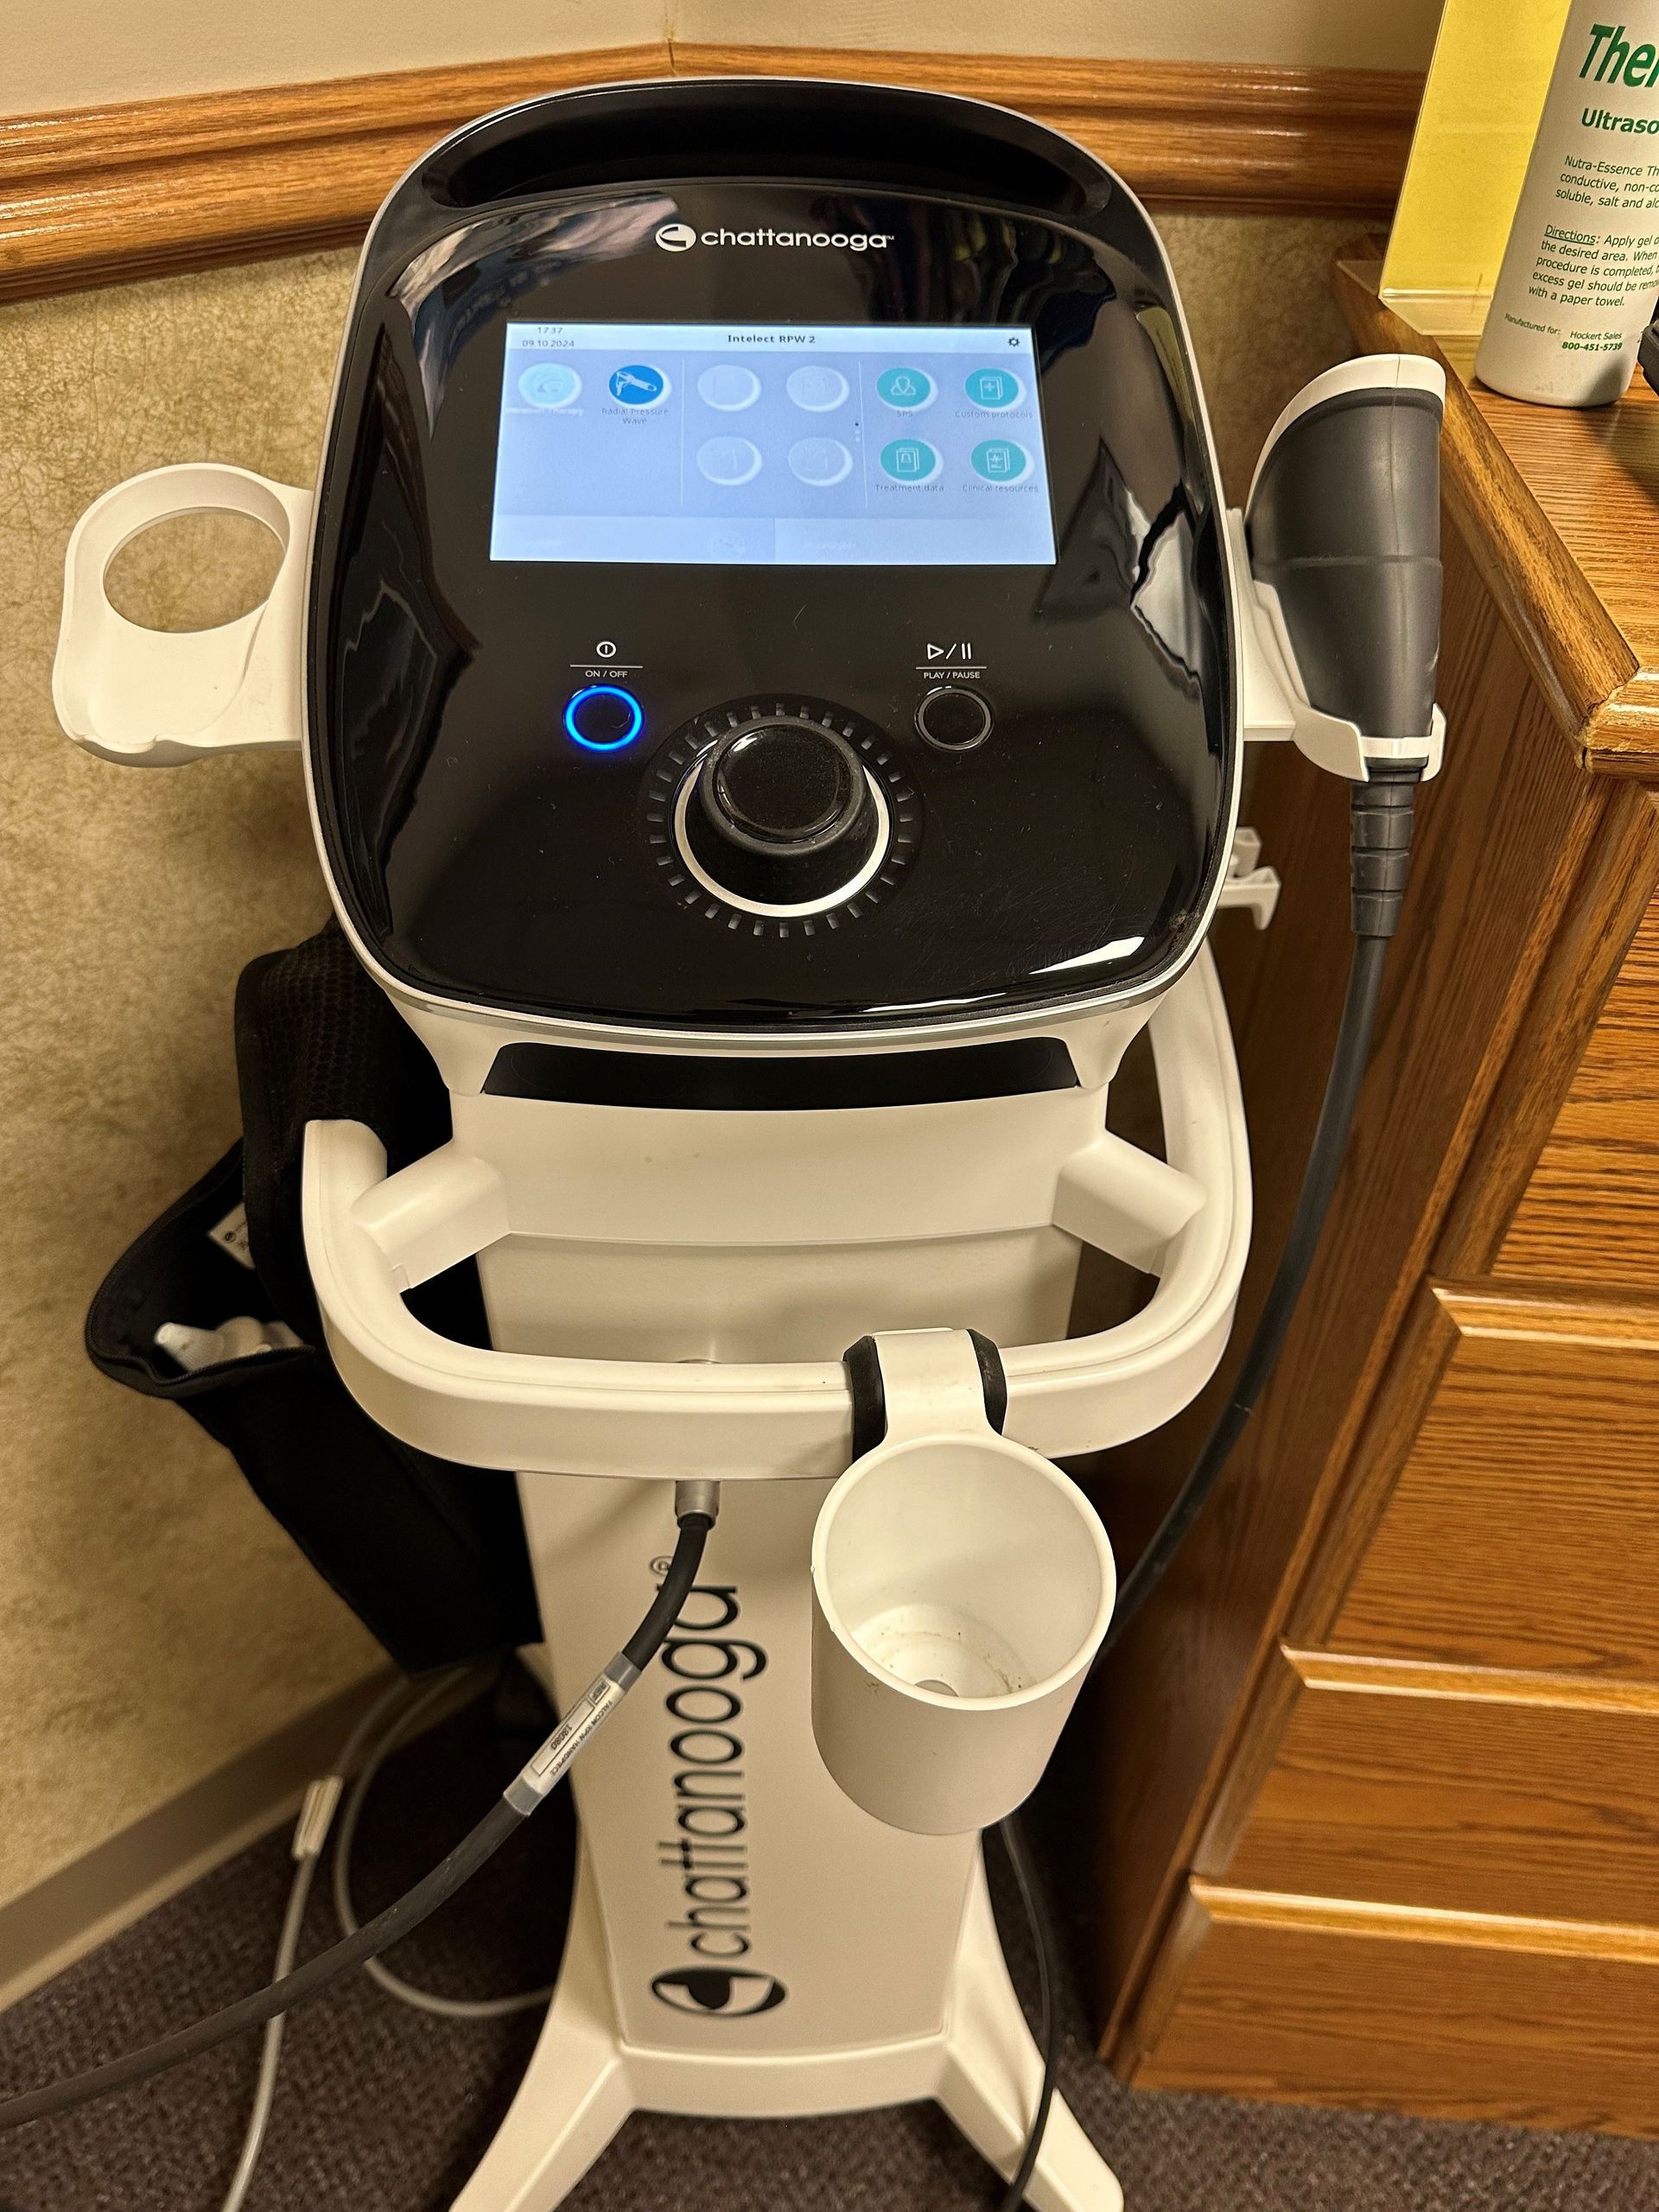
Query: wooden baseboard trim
101, 196
59, 1920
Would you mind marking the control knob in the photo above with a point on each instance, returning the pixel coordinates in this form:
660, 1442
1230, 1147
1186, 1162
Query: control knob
781, 812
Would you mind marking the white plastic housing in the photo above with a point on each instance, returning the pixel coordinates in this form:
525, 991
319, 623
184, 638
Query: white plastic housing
669, 1292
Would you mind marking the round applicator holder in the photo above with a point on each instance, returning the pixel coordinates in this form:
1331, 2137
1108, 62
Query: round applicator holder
961, 1585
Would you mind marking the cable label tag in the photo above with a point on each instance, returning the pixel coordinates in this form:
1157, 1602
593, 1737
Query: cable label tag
589, 1712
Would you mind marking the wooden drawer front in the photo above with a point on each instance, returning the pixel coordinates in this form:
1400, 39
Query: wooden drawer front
1523, 1528
1591, 1211
1532, 2025
1458, 1804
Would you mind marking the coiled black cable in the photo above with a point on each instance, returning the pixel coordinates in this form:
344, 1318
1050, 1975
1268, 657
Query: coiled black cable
1324, 1162
1380, 826
1380, 814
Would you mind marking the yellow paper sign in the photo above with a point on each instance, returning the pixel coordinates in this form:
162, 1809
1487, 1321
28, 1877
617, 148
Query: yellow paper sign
1485, 93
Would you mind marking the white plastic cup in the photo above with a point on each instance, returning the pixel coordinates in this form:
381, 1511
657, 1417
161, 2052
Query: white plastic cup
961, 1586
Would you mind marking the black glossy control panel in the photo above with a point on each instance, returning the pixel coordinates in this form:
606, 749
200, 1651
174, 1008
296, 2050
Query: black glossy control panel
769, 797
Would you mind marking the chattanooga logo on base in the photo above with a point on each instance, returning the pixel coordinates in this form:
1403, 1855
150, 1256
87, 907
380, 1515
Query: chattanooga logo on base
714, 1990
676, 237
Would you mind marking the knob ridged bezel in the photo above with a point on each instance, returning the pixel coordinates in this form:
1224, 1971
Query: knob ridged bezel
891, 790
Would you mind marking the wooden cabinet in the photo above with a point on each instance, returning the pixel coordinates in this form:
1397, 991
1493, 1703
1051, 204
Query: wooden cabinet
1521, 1528
1378, 1767
1397, 1786
1453, 2018
1590, 1213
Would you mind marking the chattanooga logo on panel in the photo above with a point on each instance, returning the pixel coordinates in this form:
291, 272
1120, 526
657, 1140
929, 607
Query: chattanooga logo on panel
676, 238
708, 1854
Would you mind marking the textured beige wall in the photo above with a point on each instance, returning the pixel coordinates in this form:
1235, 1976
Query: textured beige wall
153, 1623
1257, 293
81, 52
1329, 34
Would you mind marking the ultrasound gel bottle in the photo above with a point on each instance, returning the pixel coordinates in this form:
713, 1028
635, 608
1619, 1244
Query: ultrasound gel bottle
1581, 268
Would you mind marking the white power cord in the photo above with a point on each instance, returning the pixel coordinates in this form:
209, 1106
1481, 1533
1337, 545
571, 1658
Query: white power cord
424, 2000
696, 1508
390, 1721
310, 1834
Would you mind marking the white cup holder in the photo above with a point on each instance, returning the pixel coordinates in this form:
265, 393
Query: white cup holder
961, 1585
159, 697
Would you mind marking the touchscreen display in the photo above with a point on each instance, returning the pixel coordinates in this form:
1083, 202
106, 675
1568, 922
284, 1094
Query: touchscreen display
837, 445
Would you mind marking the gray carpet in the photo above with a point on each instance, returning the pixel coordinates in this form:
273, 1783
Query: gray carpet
384, 2109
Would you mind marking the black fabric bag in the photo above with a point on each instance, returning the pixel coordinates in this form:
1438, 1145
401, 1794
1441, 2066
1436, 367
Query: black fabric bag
431, 1556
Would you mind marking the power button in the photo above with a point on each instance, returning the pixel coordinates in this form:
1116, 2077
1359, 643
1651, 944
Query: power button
603, 717
956, 717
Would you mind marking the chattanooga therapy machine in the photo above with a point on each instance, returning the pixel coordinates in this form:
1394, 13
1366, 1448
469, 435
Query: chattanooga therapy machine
771, 661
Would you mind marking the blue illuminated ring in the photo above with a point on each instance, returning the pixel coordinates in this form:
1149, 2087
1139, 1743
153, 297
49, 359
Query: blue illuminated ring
602, 691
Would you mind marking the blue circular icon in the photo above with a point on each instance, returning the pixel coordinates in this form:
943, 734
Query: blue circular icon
910, 461
995, 388
905, 388
999, 460
636, 383
603, 717
549, 384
